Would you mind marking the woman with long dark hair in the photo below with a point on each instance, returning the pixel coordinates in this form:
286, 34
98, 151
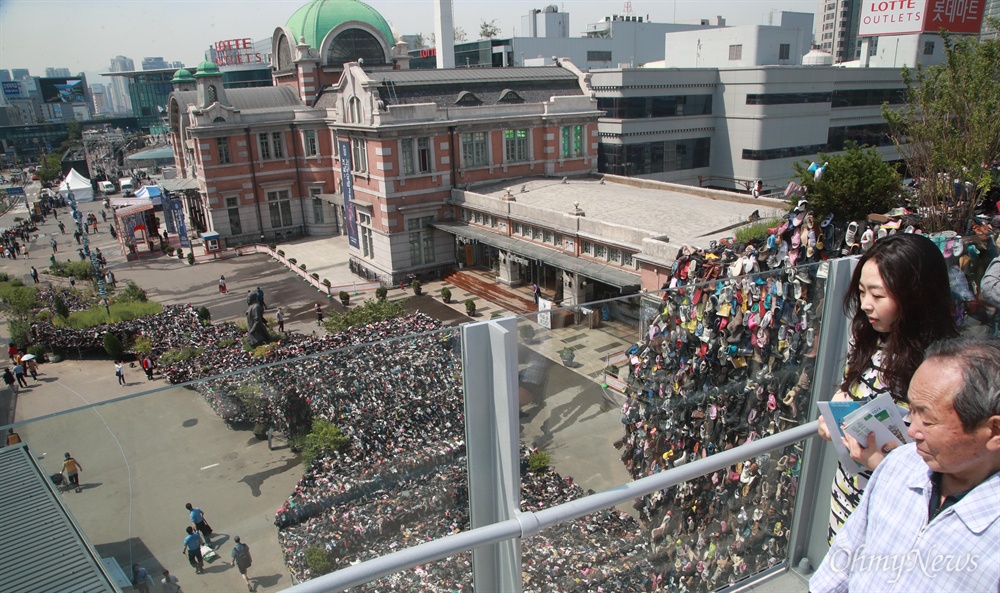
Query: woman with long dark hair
899, 303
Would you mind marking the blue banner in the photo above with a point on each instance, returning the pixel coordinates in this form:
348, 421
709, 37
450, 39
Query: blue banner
347, 184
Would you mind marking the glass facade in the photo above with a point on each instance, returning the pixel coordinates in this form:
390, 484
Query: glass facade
646, 107
149, 92
662, 156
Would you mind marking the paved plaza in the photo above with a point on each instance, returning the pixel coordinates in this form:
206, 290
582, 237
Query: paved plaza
144, 457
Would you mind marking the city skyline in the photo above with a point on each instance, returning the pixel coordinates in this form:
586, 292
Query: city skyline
101, 30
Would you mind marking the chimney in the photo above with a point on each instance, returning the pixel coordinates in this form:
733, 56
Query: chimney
444, 34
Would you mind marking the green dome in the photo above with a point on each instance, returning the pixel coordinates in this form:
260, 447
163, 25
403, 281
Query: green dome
207, 68
314, 20
182, 75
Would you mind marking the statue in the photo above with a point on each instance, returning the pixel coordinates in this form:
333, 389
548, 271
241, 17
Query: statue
257, 332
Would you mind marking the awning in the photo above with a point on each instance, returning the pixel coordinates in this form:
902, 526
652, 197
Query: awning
601, 272
178, 183
124, 202
133, 209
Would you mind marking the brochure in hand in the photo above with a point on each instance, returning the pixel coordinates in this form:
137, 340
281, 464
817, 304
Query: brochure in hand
880, 416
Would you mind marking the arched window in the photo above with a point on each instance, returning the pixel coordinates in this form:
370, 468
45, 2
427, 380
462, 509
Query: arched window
212, 95
509, 96
467, 99
354, 110
352, 44
284, 54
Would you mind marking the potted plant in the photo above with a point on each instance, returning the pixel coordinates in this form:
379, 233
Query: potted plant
190, 258
345, 298
526, 331
470, 307
446, 294
567, 356
415, 285
180, 254
381, 292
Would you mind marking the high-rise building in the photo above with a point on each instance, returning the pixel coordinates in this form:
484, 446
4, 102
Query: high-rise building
5, 75
992, 9
119, 85
19, 73
155, 63
99, 92
57, 73
837, 31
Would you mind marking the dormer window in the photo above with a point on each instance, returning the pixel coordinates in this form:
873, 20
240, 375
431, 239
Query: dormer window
509, 96
212, 95
467, 99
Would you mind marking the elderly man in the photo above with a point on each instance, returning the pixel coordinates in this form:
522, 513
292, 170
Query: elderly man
930, 517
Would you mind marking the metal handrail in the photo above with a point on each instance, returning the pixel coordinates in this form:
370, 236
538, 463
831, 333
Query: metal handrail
529, 523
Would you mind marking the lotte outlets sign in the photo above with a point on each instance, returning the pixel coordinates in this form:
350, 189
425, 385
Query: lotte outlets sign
901, 17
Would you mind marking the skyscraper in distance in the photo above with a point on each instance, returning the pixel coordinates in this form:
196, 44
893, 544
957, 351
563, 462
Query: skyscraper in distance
119, 85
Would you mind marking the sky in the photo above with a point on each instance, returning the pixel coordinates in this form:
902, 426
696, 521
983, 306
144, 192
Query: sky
83, 35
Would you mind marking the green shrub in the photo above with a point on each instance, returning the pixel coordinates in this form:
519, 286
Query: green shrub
369, 312
190, 258
59, 305
345, 297
322, 440
131, 293
470, 307
446, 294
178, 355
19, 300
180, 254
416, 285
317, 560
261, 351
97, 314
755, 231
38, 351
226, 343
142, 345
281, 252
302, 267
381, 292
81, 270
314, 276
272, 246
326, 282
169, 249
20, 331
204, 315
538, 462
44, 315
113, 346
293, 261
4, 277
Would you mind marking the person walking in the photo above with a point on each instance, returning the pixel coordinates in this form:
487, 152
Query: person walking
8, 378
31, 365
140, 579
111, 279
192, 548
72, 469
147, 366
222, 285
169, 583
319, 314
197, 517
19, 375
536, 291
55, 246
280, 315
34, 275
120, 372
242, 560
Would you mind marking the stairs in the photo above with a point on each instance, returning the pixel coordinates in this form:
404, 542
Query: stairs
490, 290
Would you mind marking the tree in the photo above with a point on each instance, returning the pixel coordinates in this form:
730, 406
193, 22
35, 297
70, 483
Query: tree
460, 35
73, 129
418, 41
51, 168
855, 184
948, 131
488, 30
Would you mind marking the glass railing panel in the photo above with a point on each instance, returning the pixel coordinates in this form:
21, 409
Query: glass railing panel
624, 388
398, 478
702, 535
969, 258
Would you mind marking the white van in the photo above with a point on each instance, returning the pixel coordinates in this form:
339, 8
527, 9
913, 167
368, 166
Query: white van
107, 188
126, 184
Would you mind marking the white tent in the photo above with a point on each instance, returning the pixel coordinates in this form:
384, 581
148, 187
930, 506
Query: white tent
79, 185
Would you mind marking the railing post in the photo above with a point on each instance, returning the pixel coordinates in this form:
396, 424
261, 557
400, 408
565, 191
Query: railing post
489, 363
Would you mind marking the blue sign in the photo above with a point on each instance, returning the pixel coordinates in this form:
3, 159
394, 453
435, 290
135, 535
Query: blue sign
11, 88
15, 191
347, 184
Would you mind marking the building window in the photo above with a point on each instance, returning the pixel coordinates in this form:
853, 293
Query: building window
354, 110
277, 145
475, 149
572, 141
280, 208
928, 48
557, 240
309, 137
515, 143
598, 56
588, 247
736, 52
213, 95
359, 149
223, 146
416, 155
317, 204
600, 251
421, 240
546, 236
367, 242
233, 208
784, 50
614, 255
628, 260
264, 142
516, 228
